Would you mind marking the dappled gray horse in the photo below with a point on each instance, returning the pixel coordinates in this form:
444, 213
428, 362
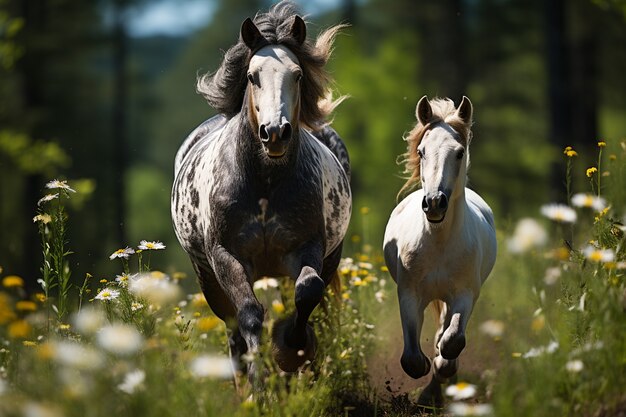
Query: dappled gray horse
440, 242
256, 193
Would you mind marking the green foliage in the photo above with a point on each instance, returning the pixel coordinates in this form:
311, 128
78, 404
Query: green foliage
32, 156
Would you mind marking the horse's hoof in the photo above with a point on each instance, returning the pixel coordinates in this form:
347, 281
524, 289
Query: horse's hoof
287, 358
432, 396
445, 368
451, 347
415, 366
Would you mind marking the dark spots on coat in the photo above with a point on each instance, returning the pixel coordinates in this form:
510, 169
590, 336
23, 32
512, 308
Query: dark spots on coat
195, 198
193, 221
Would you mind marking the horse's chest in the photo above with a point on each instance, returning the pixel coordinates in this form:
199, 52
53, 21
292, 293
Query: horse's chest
441, 272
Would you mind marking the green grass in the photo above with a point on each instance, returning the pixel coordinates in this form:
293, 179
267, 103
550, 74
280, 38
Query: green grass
73, 361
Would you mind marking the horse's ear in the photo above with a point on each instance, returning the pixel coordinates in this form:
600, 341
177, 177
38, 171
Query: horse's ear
250, 34
298, 29
465, 110
423, 111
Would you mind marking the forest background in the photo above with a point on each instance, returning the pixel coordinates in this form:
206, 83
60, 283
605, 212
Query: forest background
86, 95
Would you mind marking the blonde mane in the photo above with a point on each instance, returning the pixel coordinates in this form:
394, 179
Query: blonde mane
444, 111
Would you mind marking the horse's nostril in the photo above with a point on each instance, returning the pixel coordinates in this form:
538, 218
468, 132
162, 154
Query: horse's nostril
285, 131
424, 204
263, 133
443, 202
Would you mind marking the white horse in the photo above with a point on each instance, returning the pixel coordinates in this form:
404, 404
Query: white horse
440, 242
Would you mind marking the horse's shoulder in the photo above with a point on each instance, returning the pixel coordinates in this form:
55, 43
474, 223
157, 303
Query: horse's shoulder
479, 206
201, 133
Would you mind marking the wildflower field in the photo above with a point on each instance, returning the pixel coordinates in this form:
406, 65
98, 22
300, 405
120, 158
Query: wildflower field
547, 337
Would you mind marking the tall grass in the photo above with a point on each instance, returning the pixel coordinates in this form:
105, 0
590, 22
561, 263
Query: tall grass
546, 337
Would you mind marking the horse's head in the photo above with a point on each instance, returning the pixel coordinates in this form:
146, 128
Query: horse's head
273, 94
443, 156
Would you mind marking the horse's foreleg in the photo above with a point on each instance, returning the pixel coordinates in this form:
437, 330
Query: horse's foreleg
293, 338
452, 341
233, 281
413, 360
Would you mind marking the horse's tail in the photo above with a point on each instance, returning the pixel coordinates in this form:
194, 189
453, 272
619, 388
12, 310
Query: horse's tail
437, 308
335, 286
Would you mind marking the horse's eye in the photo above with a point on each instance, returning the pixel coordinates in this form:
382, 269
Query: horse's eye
251, 78
298, 77
420, 154
460, 154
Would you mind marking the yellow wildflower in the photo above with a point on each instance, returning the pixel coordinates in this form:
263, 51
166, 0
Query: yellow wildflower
365, 210
41, 297
538, 323
44, 218
516, 354
177, 276
570, 152
29, 343
205, 324
64, 326
278, 307
613, 157
591, 171
198, 300
601, 144
6, 313
19, 329
45, 351
103, 281
384, 268
197, 314
12, 281
25, 305
345, 296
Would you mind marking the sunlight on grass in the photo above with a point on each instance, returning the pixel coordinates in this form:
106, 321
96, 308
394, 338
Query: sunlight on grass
546, 336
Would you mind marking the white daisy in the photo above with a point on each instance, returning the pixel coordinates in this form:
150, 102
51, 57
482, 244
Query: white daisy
76, 356
541, 350
493, 328
464, 409
88, 320
598, 255
379, 296
122, 280
589, 201
122, 253
552, 275
145, 245
528, 234
135, 306
461, 391
265, 284
574, 366
559, 213
120, 339
56, 184
107, 294
211, 366
47, 197
157, 289
132, 381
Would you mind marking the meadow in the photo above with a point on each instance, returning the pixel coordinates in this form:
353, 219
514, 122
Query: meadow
546, 337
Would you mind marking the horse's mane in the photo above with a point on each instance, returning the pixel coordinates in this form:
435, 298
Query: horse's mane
443, 111
225, 89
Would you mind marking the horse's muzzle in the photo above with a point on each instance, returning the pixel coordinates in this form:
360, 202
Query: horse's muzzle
435, 206
275, 139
